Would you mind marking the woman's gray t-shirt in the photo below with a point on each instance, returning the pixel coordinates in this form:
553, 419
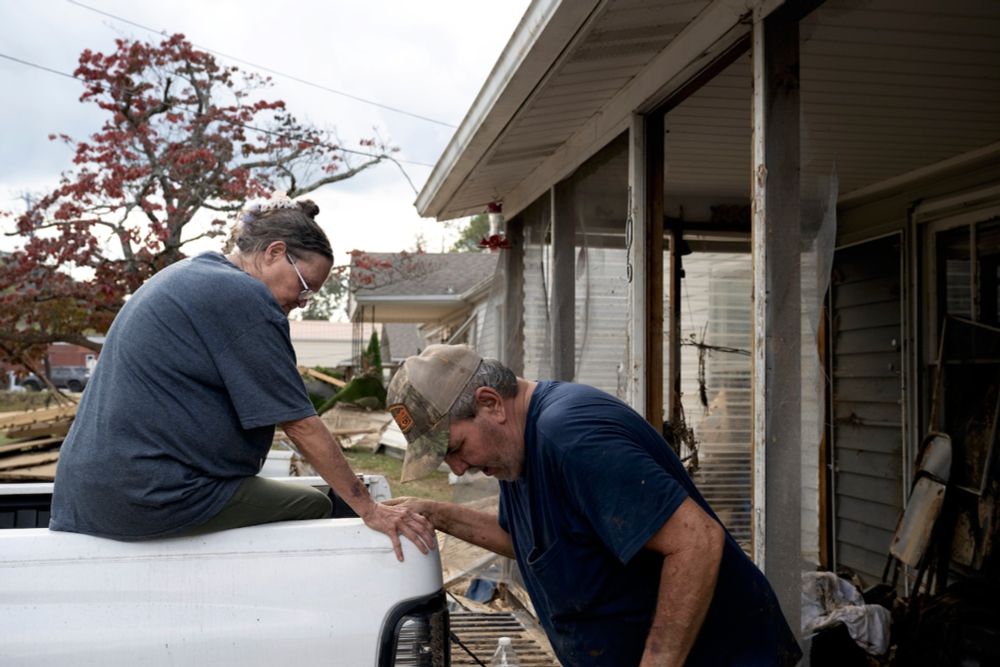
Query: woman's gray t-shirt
197, 369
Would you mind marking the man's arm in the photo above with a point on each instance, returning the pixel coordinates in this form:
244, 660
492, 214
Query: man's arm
691, 542
479, 528
314, 441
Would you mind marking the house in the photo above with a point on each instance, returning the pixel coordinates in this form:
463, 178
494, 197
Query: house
321, 343
400, 340
66, 354
449, 297
773, 224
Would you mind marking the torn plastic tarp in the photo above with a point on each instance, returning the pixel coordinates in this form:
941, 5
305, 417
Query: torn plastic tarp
827, 600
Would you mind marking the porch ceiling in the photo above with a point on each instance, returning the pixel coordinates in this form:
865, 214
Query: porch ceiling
614, 43
888, 87
895, 85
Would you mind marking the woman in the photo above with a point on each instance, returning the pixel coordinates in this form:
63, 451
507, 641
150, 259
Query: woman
196, 371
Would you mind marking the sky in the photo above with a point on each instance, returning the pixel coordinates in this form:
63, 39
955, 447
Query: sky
429, 58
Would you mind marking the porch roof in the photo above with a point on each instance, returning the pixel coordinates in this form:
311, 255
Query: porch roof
888, 88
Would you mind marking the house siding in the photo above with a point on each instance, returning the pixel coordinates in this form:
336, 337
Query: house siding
867, 401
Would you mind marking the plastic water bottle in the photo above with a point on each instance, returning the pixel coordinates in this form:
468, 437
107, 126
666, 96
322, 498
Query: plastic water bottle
505, 656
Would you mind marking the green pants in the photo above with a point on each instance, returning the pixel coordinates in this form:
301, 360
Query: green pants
260, 500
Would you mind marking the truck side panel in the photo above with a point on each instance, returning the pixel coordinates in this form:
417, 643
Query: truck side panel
316, 592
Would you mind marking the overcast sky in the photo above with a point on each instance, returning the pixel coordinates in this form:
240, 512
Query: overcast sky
429, 58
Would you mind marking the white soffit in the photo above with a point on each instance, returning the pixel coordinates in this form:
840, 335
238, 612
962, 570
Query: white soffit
611, 65
887, 87
892, 86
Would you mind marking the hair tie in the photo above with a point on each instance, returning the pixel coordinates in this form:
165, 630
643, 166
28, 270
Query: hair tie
256, 209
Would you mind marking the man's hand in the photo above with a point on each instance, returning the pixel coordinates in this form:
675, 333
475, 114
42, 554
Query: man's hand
421, 506
396, 521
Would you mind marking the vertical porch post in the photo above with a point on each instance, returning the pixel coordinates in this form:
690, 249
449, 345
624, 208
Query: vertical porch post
674, 331
511, 346
563, 284
777, 305
636, 373
653, 229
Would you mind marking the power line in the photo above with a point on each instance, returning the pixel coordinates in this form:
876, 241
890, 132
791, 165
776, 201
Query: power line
262, 130
272, 71
37, 66
225, 120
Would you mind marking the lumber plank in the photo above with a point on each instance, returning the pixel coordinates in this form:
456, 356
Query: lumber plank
28, 460
29, 417
26, 445
353, 431
50, 429
41, 473
323, 377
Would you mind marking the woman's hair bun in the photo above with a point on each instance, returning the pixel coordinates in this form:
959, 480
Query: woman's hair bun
309, 207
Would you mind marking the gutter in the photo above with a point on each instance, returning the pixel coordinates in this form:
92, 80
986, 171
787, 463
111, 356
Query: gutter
433, 299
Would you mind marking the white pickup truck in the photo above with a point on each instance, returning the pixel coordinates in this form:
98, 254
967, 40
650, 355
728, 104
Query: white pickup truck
324, 592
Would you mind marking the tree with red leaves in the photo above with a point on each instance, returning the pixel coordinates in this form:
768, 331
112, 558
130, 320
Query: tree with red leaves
185, 143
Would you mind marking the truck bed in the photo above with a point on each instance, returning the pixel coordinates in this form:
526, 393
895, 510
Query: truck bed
328, 591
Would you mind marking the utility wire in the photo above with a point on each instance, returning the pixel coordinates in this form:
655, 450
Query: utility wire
262, 130
249, 127
37, 66
272, 71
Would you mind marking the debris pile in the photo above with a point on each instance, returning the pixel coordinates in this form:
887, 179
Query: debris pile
33, 437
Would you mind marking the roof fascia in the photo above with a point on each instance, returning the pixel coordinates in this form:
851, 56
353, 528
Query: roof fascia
544, 33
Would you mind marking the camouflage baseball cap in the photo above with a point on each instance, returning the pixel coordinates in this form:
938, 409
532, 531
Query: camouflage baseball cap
420, 396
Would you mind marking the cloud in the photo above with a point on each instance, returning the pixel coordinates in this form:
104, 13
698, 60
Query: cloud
429, 58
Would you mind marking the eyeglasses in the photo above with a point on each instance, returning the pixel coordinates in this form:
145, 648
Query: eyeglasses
306, 292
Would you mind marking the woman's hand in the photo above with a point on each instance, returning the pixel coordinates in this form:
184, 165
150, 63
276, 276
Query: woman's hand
397, 520
472, 526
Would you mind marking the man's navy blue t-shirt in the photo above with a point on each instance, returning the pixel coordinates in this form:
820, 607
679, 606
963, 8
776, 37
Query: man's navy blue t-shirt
197, 369
598, 483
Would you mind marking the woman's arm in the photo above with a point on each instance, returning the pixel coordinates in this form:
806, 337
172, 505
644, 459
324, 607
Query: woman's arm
315, 443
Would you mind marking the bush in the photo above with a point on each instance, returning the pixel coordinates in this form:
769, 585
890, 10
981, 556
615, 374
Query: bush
367, 391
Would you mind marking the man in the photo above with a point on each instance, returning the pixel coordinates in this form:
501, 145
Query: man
624, 561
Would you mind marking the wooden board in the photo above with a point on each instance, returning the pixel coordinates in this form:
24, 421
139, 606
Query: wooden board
323, 377
26, 445
40, 473
28, 460
49, 429
30, 417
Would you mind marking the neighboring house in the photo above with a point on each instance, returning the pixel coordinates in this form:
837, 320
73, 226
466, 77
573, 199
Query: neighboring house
322, 343
65, 364
400, 340
679, 178
65, 354
447, 295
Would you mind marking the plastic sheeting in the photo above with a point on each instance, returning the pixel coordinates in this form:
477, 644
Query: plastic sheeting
827, 600
819, 233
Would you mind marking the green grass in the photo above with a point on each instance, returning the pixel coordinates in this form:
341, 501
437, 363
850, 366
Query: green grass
16, 401
435, 486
